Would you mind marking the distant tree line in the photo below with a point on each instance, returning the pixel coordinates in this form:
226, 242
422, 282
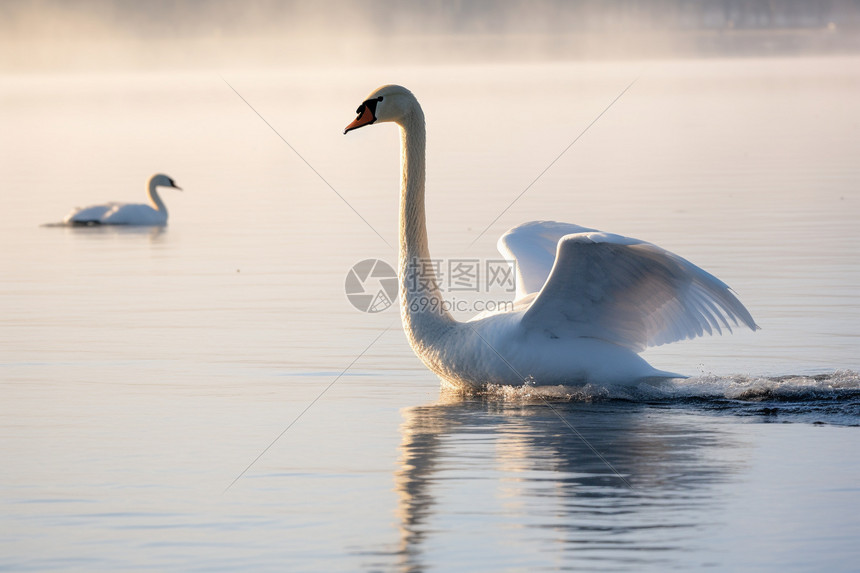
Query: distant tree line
200, 17
467, 16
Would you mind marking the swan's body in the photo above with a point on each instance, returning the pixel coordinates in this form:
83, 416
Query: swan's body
126, 213
587, 302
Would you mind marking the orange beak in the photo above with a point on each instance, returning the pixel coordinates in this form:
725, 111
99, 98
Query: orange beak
365, 117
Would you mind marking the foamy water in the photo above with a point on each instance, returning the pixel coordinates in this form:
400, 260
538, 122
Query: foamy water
822, 399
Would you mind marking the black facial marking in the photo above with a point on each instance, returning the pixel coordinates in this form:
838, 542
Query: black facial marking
367, 105
371, 105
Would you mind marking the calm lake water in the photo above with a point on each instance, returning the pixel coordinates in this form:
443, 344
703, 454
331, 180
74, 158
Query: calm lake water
143, 371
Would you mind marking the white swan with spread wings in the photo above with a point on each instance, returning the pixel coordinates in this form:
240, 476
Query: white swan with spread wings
586, 303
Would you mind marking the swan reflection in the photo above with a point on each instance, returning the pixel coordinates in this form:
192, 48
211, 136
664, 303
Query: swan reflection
540, 493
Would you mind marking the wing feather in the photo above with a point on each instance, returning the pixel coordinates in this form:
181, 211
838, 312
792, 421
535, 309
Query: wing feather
622, 290
530, 250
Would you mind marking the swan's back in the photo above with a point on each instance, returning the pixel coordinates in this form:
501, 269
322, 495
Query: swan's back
134, 214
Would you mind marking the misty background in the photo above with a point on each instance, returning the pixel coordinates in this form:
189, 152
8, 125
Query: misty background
92, 34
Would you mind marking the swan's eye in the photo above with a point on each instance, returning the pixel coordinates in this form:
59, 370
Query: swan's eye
379, 98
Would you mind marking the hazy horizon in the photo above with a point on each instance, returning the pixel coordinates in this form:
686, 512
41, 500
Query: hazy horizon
94, 34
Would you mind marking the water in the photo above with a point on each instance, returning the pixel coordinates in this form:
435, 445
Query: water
143, 371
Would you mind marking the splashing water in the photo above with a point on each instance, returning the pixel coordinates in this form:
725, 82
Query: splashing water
825, 398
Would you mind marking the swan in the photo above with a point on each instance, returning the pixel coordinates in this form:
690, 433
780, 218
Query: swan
587, 302
126, 213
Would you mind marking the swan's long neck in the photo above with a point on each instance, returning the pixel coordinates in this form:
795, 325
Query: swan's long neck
155, 198
424, 317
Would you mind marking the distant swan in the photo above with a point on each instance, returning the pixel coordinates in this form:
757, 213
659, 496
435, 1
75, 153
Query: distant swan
586, 301
126, 213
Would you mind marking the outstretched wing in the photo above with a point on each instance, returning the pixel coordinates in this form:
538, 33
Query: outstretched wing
630, 293
530, 249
